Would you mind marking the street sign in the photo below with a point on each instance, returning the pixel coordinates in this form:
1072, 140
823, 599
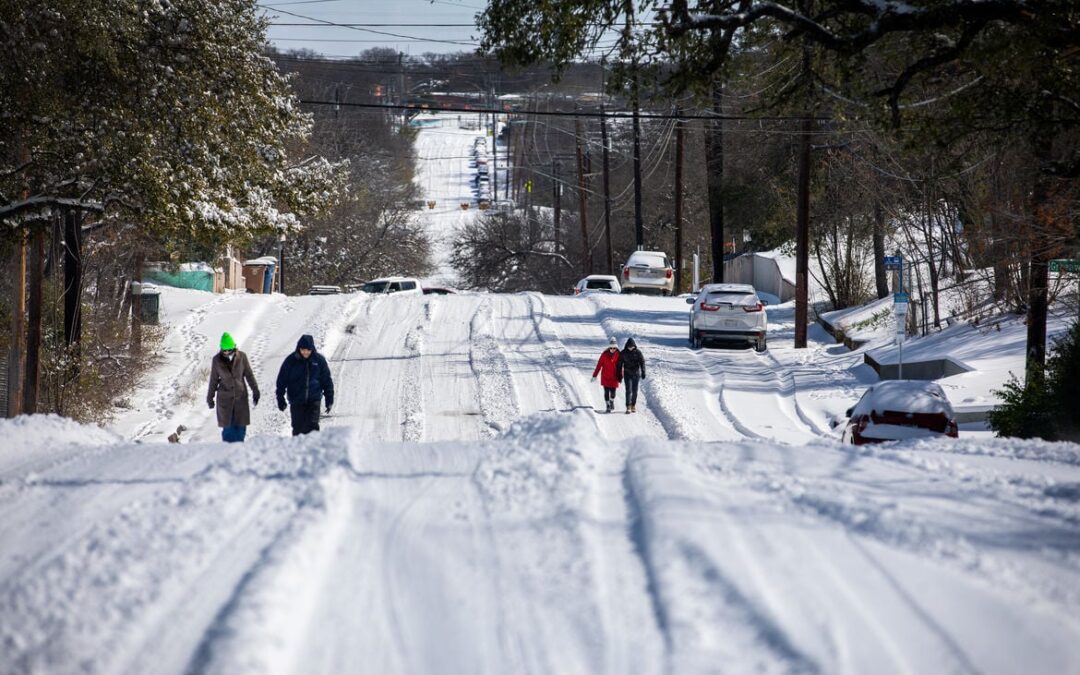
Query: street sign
1065, 265
900, 298
893, 262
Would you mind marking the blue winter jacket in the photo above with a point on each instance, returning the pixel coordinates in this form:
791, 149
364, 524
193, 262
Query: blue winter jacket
305, 380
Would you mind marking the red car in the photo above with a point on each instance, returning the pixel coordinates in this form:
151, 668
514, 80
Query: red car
900, 409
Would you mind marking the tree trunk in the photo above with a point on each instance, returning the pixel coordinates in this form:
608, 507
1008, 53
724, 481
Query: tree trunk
880, 279
1039, 276
35, 304
136, 305
73, 283
17, 355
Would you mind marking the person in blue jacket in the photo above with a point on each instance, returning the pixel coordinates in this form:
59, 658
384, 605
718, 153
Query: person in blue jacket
305, 379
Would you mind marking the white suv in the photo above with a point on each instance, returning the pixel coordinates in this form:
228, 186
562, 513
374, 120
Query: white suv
396, 285
728, 312
648, 271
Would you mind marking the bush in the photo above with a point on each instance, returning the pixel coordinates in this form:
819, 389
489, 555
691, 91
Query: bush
1045, 406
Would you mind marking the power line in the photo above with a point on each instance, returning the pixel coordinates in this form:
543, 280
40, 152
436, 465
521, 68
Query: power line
625, 114
365, 30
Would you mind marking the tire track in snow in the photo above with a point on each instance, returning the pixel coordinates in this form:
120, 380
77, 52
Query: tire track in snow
498, 400
690, 586
787, 376
411, 395
663, 399
756, 396
556, 356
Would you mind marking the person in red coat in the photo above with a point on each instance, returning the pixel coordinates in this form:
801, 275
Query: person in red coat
607, 368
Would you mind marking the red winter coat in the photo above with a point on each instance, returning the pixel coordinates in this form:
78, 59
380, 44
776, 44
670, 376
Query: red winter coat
606, 366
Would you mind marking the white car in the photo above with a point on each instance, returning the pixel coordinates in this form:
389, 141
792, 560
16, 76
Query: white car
648, 271
396, 285
730, 312
604, 283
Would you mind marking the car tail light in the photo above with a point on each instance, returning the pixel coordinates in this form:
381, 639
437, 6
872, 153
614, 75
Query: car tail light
626, 272
709, 308
952, 430
670, 273
753, 308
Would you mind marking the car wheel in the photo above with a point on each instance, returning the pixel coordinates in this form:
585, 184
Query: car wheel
760, 345
696, 341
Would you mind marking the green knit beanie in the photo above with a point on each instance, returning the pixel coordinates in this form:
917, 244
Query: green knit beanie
227, 342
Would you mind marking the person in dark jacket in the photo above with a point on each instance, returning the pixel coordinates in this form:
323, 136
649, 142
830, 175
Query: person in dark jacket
305, 380
607, 368
230, 377
631, 370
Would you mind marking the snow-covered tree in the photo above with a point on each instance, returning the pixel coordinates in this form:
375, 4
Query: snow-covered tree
163, 112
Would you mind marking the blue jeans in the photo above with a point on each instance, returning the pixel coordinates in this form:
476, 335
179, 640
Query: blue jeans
632, 382
233, 433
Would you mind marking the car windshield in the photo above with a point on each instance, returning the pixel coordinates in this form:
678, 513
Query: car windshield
375, 287
598, 283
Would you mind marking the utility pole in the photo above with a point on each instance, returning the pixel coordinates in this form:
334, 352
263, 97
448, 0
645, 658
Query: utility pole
401, 88
715, 163
556, 188
607, 185
639, 223
494, 151
33, 329
678, 201
583, 203
802, 209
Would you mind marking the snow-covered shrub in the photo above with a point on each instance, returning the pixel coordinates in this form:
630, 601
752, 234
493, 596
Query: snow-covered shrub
1045, 405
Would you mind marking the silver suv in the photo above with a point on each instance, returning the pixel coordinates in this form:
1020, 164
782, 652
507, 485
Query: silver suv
732, 312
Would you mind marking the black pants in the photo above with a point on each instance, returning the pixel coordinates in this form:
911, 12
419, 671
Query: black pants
609, 394
305, 417
631, 382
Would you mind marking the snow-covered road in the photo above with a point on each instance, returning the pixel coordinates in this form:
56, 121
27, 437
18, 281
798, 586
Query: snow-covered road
465, 510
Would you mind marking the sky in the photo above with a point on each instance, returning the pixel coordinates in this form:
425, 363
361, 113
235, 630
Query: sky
407, 26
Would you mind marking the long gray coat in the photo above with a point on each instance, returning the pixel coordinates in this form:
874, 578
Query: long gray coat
227, 380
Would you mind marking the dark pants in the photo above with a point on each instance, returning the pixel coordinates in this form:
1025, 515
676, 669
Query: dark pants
305, 417
631, 382
233, 433
609, 394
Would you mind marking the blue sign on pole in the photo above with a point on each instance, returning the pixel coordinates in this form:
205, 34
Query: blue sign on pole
900, 298
893, 262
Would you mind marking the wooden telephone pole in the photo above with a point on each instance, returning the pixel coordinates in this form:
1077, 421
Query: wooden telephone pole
678, 201
583, 203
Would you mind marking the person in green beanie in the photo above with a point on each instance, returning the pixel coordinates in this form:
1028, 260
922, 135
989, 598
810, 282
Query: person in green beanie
230, 377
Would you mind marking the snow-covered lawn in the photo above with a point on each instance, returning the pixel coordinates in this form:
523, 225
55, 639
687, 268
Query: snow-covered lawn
466, 510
